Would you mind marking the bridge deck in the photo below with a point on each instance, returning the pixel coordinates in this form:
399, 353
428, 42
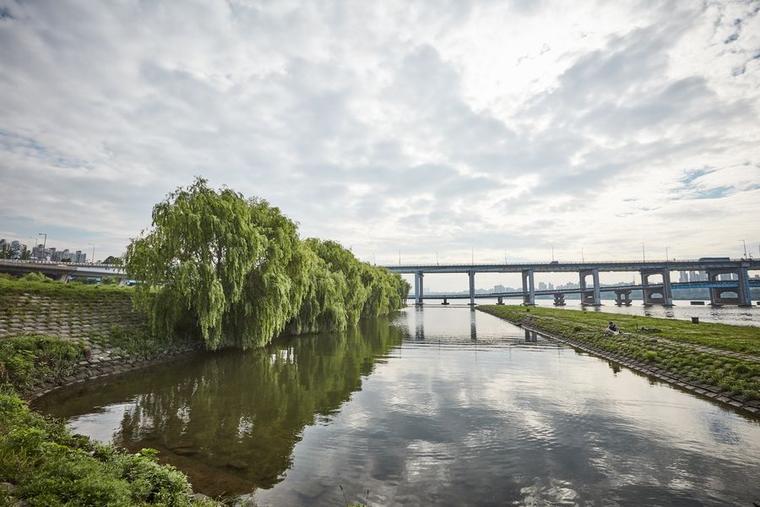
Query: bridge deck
559, 267
723, 284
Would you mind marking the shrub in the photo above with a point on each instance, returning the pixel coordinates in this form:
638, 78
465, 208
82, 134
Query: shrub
49, 466
35, 277
27, 360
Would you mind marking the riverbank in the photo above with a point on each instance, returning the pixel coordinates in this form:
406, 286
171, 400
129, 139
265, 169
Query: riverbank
54, 334
97, 324
718, 361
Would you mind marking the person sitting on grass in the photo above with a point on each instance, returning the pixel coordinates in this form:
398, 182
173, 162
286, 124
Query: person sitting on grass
612, 328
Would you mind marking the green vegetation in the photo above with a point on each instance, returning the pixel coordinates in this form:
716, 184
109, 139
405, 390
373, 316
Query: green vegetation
234, 272
37, 284
744, 339
663, 343
49, 466
27, 360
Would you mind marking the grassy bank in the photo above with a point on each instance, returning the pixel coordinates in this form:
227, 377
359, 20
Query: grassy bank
41, 462
35, 283
662, 343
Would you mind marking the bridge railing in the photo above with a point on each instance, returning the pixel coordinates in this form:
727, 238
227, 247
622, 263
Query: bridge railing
572, 262
61, 263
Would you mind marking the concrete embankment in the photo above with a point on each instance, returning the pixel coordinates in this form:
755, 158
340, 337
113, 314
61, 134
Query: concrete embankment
112, 334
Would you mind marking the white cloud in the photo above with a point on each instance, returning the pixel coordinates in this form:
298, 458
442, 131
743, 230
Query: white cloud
387, 126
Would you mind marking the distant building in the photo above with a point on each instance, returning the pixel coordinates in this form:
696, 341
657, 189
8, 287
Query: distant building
17, 250
39, 253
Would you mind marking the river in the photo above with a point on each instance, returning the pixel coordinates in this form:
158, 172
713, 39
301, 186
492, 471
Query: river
438, 406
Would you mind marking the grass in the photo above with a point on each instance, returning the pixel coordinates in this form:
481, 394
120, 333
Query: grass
744, 339
641, 340
26, 361
37, 284
136, 341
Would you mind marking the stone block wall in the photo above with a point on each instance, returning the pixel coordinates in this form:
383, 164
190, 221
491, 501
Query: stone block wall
88, 318
82, 319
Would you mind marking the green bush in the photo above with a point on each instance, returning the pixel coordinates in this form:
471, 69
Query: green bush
29, 360
50, 466
35, 277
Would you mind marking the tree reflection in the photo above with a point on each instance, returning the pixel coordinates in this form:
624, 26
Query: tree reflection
230, 420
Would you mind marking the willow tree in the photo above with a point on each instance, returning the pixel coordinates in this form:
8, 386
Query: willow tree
234, 271
276, 287
194, 263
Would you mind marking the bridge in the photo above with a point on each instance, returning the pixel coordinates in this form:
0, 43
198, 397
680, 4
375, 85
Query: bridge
654, 291
63, 271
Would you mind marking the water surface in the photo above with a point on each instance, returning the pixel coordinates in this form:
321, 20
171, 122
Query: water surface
441, 406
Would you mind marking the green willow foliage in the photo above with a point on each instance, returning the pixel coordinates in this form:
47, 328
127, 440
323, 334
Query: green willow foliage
234, 271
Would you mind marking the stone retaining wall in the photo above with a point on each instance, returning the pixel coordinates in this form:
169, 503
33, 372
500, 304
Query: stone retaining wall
95, 368
69, 318
86, 319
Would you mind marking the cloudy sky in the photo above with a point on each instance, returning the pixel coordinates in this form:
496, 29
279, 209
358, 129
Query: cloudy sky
411, 127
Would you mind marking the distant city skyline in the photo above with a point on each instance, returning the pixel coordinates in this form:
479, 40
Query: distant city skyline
479, 131
16, 249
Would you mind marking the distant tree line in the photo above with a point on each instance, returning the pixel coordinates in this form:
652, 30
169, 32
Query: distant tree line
234, 271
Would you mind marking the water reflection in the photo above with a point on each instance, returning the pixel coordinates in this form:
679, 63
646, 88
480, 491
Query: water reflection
230, 420
445, 406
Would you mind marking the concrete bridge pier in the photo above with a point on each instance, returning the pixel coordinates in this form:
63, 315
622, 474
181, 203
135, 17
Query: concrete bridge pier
597, 288
500, 300
559, 299
418, 288
667, 289
528, 288
665, 292
745, 296
471, 275
445, 301
590, 296
623, 297
715, 293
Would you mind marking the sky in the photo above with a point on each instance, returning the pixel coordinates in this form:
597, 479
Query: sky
427, 131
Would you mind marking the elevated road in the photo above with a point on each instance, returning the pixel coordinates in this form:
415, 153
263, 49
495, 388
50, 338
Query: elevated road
704, 264
62, 270
659, 292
